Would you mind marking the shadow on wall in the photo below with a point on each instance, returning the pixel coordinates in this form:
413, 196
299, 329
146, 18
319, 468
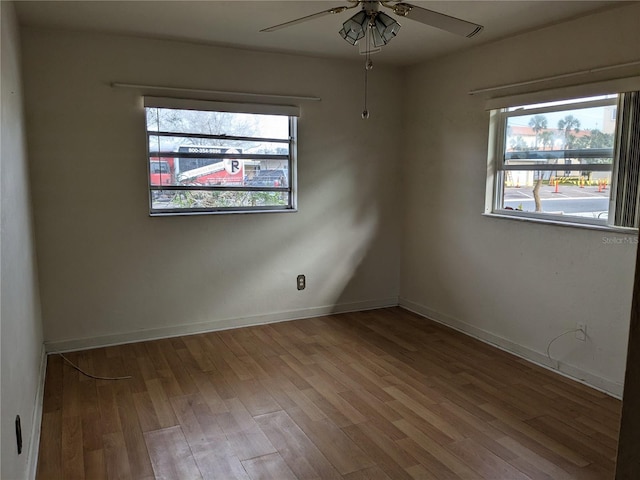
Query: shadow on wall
372, 271
185, 275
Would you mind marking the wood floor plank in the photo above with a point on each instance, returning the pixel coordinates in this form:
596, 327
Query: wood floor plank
354, 379
94, 465
147, 416
137, 454
161, 404
298, 451
548, 469
375, 412
433, 468
268, 467
465, 425
128, 354
290, 397
72, 452
110, 419
198, 349
70, 384
539, 436
115, 456
279, 367
575, 440
608, 430
50, 457
483, 462
204, 384
389, 457
184, 380
223, 358
92, 433
443, 455
170, 455
53, 388
419, 423
339, 449
243, 433
335, 407
256, 399
211, 450
363, 395
371, 473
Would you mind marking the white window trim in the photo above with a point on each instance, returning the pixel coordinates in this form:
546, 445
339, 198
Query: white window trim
618, 85
497, 132
191, 104
293, 112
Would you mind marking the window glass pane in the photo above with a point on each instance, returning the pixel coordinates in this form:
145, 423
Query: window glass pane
551, 134
242, 170
563, 102
562, 158
248, 172
583, 195
194, 200
267, 173
217, 123
558, 160
186, 144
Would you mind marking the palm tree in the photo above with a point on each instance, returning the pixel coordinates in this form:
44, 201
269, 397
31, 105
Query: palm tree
537, 124
567, 124
547, 139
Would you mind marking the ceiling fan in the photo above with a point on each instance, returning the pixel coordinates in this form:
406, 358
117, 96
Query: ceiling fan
377, 28
382, 26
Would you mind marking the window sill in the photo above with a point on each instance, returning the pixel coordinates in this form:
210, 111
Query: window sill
220, 212
562, 223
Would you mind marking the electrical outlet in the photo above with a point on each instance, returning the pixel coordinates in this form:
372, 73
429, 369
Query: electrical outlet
302, 282
581, 331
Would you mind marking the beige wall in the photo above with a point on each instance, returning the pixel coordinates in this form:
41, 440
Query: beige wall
111, 273
515, 284
20, 324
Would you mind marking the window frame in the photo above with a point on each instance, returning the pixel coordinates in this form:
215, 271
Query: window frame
291, 112
497, 158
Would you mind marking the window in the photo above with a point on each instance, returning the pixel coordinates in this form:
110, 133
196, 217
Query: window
574, 161
211, 157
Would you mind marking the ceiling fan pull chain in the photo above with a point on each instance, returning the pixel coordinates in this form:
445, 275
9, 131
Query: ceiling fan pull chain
368, 65
365, 112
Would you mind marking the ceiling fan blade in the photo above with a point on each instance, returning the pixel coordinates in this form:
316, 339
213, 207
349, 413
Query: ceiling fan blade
435, 19
308, 17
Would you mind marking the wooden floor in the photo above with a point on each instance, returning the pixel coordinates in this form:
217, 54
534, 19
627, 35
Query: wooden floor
378, 394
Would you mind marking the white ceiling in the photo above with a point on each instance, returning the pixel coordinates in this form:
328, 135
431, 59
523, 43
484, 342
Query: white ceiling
237, 23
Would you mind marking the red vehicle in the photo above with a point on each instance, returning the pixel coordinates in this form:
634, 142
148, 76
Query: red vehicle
167, 171
161, 171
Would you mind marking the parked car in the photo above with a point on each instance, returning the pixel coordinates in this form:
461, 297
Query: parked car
268, 178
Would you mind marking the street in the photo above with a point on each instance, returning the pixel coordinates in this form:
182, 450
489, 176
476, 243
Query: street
570, 199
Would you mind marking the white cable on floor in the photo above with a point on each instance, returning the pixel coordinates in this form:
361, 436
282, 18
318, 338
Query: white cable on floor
561, 335
88, 374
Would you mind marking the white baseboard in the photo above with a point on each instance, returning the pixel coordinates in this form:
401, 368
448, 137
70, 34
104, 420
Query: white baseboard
214, 325
36, 422
575, 373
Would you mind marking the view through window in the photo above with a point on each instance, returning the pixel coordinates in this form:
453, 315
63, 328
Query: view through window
557, 159
204, 161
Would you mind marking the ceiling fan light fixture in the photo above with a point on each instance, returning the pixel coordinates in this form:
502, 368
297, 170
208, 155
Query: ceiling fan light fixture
376, 38
401, 9
350, 39
354, 28
385, 28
